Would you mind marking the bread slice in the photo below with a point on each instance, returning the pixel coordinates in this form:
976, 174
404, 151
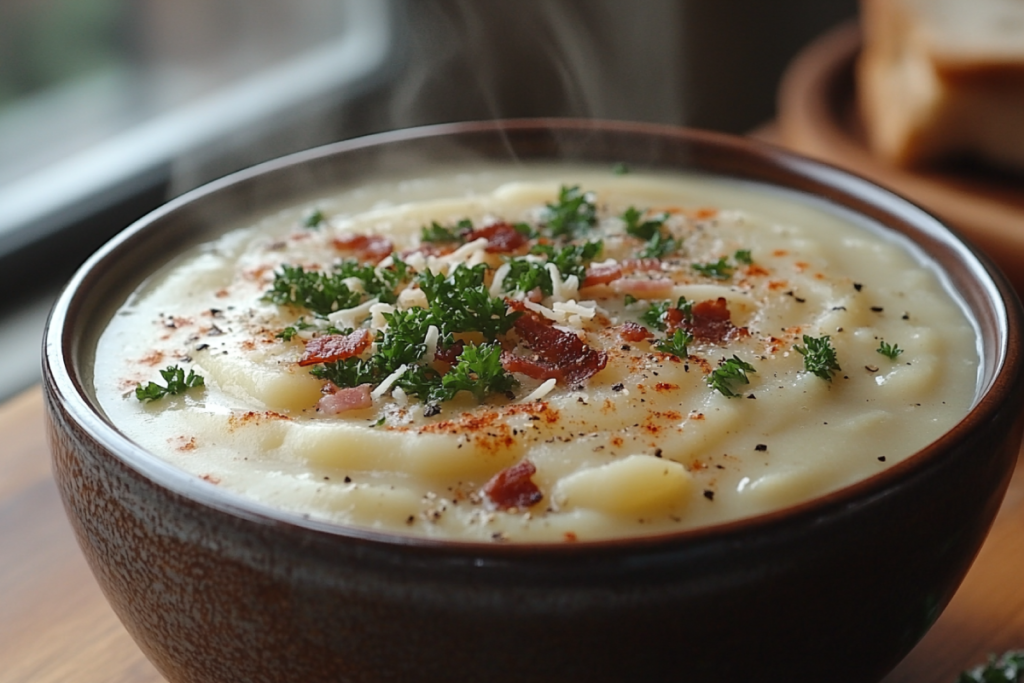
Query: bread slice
943, 78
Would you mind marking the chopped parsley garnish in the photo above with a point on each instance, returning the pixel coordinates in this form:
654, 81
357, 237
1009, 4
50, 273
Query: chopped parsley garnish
313, 219
655, 314
291, 331
321, 293
463, 303
890, 351
637, 227
819, 356
659, 247
1009, 668
440, 233
659, 244
677, 345
574, 213
287, 333
719, 270
731, 371
478, 371
325, 293
177, 383
525, 275
743, 256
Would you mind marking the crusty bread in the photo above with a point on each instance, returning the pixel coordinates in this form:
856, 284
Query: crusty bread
942, 78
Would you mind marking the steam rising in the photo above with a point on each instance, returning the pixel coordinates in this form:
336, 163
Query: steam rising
458, 60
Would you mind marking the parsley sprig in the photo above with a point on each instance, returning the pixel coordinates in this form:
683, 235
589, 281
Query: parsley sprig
655, 314
890, 351
659, 242
462, 303
722, 269
176, 383
478, 371
324, 293
819, 356
731, 371
575, 212
525, 275
677, 345
436, 232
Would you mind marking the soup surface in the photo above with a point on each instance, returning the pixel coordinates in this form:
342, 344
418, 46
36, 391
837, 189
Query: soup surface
540, 353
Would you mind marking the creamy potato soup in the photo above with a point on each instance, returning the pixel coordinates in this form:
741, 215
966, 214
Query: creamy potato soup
540, 354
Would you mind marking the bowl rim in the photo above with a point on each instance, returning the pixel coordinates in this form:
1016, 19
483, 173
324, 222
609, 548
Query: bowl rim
63, 385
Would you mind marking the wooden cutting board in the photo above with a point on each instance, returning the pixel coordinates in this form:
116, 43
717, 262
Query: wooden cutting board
55, 625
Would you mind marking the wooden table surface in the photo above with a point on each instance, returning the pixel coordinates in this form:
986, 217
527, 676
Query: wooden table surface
56, 626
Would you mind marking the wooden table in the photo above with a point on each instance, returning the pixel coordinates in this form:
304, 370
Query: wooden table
56, 626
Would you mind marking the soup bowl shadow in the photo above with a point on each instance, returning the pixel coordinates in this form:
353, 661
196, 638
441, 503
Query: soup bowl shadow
213, 587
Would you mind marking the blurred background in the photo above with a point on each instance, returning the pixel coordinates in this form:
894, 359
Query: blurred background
110, 107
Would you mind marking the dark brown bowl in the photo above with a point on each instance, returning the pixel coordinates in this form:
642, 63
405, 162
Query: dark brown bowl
217, 588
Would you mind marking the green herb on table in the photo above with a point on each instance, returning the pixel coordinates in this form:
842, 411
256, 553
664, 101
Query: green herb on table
620, 168
176, 383
1009, 668
743, 256
890, 351
730, 372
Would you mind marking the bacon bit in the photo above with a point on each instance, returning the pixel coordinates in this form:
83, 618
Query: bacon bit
332, 347
710, 321
570, 537
502, 238
513, 488
665, 386
755, 269
602, 275
368, 247
450, 354
210, 478
657, 288
634, 332
704, 213
342, 400
556, 354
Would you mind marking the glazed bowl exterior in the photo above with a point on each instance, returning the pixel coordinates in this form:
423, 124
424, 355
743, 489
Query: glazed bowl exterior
215, 588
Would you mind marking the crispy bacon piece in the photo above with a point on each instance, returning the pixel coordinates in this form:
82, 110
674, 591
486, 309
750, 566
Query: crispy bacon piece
711, 321
367, 247
342, 400
450, 354
513, 488
332, 347
634, 332
556, 353
602, 275
502, 238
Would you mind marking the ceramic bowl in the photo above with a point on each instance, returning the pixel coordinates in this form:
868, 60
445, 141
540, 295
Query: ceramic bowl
215, 588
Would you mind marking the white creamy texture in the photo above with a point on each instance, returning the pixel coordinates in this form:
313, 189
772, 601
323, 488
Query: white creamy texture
643, 446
